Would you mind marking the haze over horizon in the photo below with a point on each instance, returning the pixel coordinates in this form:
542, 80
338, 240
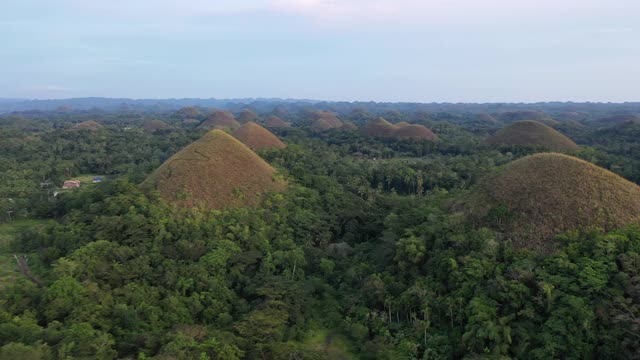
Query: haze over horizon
380, 50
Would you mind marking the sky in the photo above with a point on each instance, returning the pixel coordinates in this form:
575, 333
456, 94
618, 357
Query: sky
367, 50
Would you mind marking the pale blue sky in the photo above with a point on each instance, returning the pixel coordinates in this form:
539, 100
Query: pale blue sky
381, 50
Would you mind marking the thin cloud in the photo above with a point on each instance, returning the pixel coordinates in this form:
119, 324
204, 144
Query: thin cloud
360, 11
449, 11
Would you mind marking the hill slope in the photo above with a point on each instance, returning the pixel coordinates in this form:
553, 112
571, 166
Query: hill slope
413, 131
217, 171
551, 193
328, 117
155, 125
247, 116
258, 138
275, 122
87, 125
380, 127
532, 133
219, 120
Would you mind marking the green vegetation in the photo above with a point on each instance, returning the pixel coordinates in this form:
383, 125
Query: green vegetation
341, 245
8, 232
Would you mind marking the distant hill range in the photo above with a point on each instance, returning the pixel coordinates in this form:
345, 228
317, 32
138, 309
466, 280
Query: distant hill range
507, 111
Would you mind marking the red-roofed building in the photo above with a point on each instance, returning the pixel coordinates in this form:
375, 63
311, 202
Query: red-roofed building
71, 184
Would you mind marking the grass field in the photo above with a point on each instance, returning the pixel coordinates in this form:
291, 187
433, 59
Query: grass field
87, 178
333, 344
8, 272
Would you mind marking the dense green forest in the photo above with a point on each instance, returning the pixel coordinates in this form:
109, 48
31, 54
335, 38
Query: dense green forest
368, 254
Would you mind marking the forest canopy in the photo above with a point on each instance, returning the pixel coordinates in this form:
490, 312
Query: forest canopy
372, 250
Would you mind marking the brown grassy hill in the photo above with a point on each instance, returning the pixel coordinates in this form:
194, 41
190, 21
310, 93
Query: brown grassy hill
216, 172
550, 122
257, 138
486, 118
87, 125
378, 127
532, 133
275, 122
189, 112
219, 120
413, 131
247, 116
321, 125
155, 125
349, 126
551, 193
328, 117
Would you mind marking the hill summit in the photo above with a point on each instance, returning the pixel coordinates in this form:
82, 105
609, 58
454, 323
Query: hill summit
217, 171
549, 193
154, 125
247, 116
380, 127
324, 120
275, 122
87, 125
219, 119
532, 133
258, 138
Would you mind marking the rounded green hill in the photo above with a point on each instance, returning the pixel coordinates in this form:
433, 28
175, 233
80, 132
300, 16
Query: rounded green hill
532, 133
549, 193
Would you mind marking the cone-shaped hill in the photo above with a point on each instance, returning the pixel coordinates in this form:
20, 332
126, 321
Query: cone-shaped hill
247, 116
349, 126
532, 133
321, 125
413, 131
275, 122
189, 112
258, 138
155, 125
378, 127
87, 125
217, 171
382, 128
546, 194
219, 120
486, 118
329, 117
